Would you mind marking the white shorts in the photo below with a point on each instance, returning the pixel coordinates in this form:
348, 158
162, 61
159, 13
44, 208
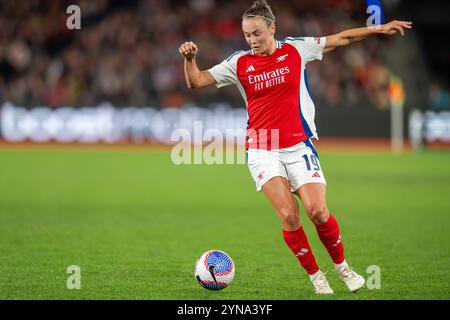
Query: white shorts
299, 164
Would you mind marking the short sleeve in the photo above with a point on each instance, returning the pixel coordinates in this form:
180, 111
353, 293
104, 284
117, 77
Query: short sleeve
225, 72
310, 48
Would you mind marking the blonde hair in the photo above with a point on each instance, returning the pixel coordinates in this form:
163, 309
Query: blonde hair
261, 9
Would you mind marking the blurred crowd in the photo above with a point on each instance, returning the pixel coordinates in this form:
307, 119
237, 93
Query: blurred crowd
439, 98
127, 51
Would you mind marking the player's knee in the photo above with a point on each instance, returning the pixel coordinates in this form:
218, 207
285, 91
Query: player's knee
290, 218
319, 214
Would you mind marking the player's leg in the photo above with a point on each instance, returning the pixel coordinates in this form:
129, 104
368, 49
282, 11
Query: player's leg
278, 191
308, 182
313, 197
270, 177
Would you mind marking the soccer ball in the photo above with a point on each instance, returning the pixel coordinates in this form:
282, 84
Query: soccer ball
214, 270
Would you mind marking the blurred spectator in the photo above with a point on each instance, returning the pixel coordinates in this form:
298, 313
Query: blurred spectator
127, 51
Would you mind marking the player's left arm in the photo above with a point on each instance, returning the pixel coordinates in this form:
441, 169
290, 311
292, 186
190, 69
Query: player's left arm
350, 36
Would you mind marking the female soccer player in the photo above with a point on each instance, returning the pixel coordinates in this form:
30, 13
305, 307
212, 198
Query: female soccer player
281, 158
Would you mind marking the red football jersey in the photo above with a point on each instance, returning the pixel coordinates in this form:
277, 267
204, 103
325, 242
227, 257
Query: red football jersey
275, 89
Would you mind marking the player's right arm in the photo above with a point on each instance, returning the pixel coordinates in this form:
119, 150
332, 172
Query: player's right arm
195, 78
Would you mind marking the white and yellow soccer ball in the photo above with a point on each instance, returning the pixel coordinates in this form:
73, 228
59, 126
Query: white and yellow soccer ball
214, 270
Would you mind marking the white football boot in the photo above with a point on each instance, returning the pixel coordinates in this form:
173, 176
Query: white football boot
353, 280
320, 282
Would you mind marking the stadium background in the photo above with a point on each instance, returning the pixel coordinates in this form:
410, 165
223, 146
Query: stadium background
135, 222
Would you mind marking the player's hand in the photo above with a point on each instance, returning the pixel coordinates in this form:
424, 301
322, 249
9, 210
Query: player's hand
188, 50
395, 26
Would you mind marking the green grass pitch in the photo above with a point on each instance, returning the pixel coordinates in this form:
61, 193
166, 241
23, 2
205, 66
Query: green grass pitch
135, 224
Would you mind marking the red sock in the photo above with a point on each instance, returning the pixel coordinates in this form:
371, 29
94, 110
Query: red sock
331, 238
298, 243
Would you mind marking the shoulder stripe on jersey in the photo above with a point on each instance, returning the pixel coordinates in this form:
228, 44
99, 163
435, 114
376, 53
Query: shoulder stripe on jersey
294, 39
230, 57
